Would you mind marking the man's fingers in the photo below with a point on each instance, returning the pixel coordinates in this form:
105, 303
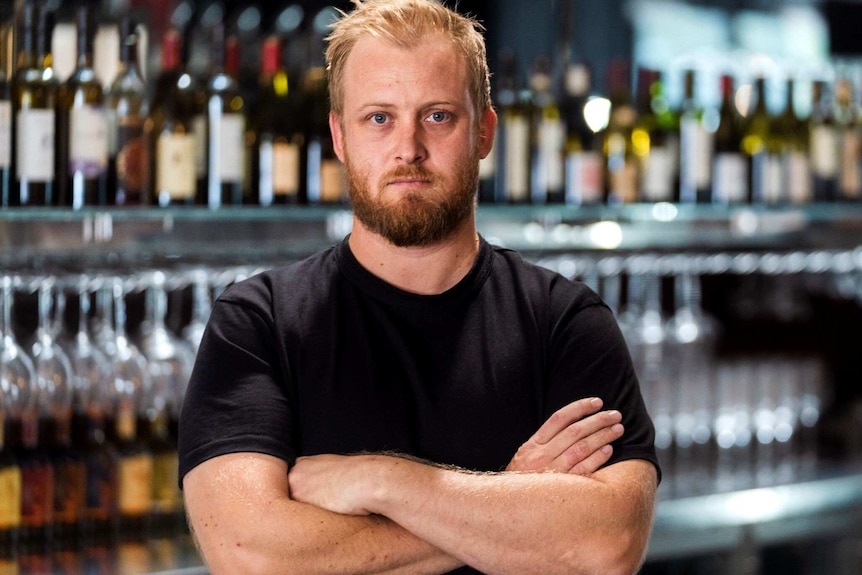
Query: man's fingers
565, 416
587, 451
592, 463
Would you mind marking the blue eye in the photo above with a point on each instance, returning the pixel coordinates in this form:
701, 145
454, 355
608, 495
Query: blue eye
378, 118
439, 116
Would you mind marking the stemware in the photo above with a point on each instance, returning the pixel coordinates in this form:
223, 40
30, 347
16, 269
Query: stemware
169, 364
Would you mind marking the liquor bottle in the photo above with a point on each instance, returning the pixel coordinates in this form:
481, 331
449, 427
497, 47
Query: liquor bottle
34, 90
760, 147
621, 166
729, 166
823, 144
170, 129
82, 125
845, 114
695, 147
547, 138
225, 124
325, 179
583, 171
655, 140
128, 109
513, 150
793, 137
278, 138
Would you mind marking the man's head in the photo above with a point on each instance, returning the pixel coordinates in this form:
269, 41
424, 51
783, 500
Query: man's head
405, 23
411, 117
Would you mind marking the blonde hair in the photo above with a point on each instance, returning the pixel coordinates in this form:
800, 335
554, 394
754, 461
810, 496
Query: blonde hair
405, 23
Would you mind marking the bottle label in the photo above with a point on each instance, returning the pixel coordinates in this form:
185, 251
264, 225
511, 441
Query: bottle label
5, 133
100, 488
333, 182
285, 169
824, 151
584, 181
797, 177
658, 174
231, 147
135, 484
175, 172
766, 178
850, 153
730, 177
69, 491
88, 141
517, 158
37, 494
549, 168
35, 141
166, 496
696, 150
132, 156
10, 497
199, 131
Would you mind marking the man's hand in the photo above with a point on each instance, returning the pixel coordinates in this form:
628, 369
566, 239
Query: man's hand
575, 439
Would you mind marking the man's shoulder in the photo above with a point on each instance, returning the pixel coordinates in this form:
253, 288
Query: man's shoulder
310, 274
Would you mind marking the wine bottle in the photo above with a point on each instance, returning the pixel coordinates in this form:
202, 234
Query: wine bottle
760, 147
513, 150
547, 138
729, 167
845, 114
128, 110
170, 129
655, 139
621, 165
82, 125
225, 124
326, 181
695, 146
278, 137
34, 90
823, 144
583, 170
793, 137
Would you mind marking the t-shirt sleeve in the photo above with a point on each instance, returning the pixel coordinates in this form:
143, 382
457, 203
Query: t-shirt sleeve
237, 399
590, 358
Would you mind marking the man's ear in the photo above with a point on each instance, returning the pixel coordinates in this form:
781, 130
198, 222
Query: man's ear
487, 128
337, 135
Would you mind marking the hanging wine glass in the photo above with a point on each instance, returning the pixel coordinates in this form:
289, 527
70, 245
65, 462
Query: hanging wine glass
201, 308
169, 363
131, 386
17, 400
690, 349
93, 376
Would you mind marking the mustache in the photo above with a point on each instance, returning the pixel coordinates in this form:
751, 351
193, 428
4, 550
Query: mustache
409, 173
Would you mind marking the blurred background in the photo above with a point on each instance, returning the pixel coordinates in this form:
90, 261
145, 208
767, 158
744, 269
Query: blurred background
698, 164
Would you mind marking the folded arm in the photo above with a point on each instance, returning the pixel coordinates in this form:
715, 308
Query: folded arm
246, 519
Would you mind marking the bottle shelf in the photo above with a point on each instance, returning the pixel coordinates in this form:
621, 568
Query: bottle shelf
30, 238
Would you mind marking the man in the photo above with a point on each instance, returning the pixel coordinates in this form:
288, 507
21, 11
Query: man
415, 400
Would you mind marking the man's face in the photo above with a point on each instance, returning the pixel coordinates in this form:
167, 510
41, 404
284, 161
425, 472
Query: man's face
410, 140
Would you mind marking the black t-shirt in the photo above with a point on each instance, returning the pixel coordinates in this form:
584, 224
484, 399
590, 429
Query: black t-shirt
324, 357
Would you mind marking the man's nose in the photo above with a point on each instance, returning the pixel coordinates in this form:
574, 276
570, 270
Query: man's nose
410, 147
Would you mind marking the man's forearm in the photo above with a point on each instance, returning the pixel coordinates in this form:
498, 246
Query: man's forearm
500, 523
253, 527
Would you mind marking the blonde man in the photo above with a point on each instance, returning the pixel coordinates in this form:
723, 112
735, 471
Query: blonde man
415, 400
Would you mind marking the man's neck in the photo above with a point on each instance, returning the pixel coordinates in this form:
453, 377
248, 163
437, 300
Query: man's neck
425, 270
